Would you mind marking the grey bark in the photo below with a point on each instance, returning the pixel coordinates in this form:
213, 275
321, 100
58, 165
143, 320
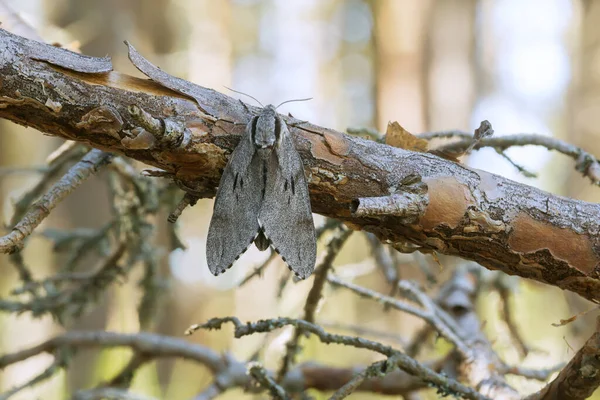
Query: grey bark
470, 213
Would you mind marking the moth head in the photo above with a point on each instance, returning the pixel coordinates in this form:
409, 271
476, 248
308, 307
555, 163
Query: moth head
266, 128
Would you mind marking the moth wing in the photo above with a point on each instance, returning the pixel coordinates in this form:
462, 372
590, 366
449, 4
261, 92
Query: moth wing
234, 222
286, 214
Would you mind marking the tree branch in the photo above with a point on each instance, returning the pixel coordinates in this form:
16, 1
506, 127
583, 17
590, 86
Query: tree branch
229, 372
580, 378
472, 214
585, 162
88, 166
314, 296
413, 367
108, 393
430, 313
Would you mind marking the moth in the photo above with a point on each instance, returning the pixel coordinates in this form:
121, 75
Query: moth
263, 198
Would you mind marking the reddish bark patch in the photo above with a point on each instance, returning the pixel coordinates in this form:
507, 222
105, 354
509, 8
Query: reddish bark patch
337, 143
320, 150
197, 127
530, 235
448, 202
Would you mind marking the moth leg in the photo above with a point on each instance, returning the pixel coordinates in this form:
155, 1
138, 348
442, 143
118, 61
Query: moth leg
187, 200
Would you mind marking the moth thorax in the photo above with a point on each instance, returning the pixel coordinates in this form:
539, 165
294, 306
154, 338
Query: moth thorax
262, 141
266, 129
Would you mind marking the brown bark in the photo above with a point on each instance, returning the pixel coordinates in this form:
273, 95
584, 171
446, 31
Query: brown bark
470, 213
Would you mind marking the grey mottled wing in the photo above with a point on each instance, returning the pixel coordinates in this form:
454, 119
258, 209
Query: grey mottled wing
234, 222
285, 214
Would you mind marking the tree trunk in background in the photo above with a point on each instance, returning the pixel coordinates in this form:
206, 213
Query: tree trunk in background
16, 151
584, 132
148, 27
356, 60
449, 65
203, 56
585, 93
399, 29
400, 95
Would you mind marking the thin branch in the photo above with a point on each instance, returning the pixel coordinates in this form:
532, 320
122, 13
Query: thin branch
443, 383
314, 296
448, 325
524, 171
333, 249
17, 260
109, 394
53, 369
505, 287
431, 312
73, 301
580, 378
537, 374
384, 260
261, 375
387, 381
418, 340
147, 343
260, 269
379, 369
228, 372
586, 163
365, 331
124, 378
76, 175
56, 163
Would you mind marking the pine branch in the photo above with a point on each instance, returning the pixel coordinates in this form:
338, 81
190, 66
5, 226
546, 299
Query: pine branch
188, 132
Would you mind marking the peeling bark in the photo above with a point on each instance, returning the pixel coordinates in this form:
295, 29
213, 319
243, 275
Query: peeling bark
472, 214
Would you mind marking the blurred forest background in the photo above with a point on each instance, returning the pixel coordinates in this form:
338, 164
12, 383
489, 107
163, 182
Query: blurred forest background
526, 66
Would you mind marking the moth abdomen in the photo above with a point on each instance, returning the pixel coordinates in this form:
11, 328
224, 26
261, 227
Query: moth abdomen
261, 241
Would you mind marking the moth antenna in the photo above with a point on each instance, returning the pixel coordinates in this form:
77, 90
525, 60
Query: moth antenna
290, 101
245, 94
